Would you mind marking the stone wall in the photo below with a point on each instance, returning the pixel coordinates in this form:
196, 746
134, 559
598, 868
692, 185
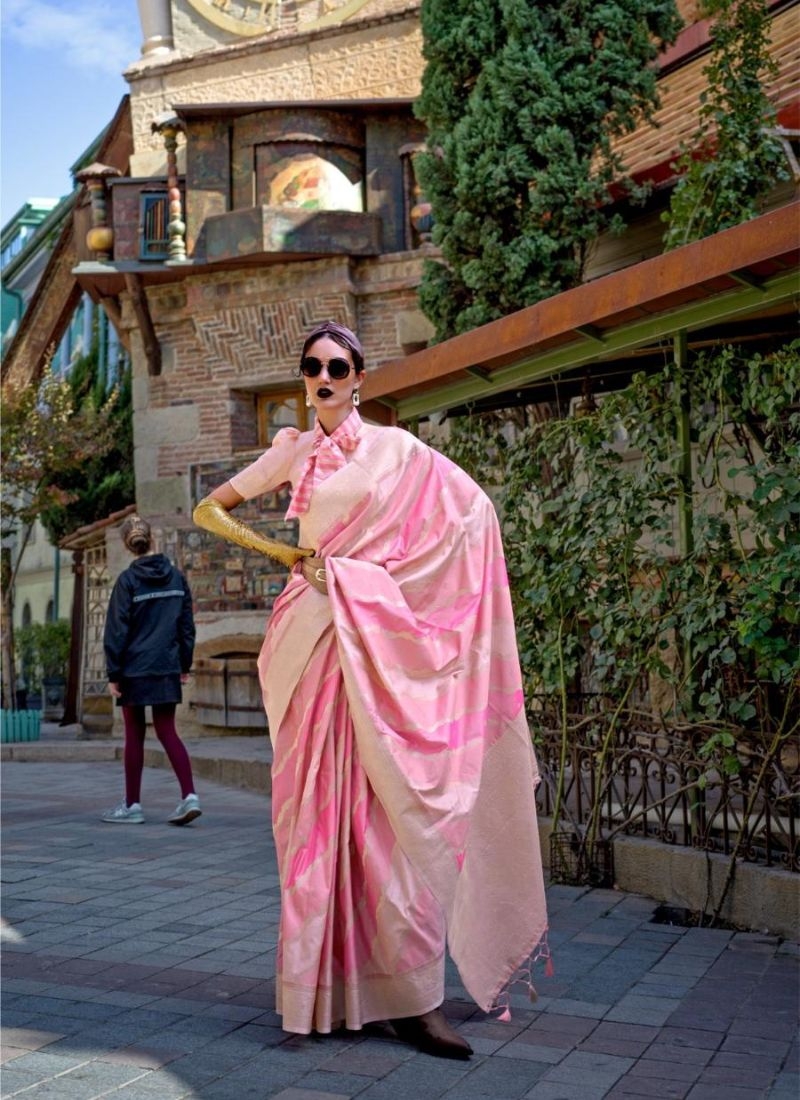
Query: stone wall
197, 27
381, 59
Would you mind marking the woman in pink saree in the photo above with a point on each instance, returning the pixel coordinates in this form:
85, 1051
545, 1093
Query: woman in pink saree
403, 774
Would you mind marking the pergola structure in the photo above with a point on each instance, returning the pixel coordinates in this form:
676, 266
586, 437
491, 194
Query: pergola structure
738, 285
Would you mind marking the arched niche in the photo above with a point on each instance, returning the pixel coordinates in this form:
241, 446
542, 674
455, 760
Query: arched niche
298, 159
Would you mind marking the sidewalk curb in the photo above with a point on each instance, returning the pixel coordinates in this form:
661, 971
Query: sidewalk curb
246, 770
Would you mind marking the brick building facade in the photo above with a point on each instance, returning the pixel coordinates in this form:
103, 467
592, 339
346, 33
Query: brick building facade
215, 337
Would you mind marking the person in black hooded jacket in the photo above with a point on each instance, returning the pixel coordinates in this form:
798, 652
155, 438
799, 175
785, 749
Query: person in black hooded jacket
149, 644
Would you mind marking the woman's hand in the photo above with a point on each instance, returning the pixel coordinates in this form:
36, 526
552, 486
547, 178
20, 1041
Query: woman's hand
114, 689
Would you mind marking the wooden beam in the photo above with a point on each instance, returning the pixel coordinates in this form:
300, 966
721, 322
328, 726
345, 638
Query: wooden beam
141, 309
621, 339
642, 292
112, 309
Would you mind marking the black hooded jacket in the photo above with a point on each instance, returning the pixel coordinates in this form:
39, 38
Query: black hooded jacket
150, 626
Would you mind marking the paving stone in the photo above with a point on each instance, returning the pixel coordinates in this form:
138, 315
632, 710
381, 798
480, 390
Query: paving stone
330, 1082
585, 1067
637, 1088
705, 1090
765, 1027
792, 1061
293, 1093
669, 989
82, 1086
30, 1038
617, 1047
160, 963
24, 985
561, 1090
693, 1056
15, 1080
531, 1052
61, 1026
9, 1053
755, 1076
572, 1028
700, 941
511, 1078
44, 1064
241, 1013
672, 981
364, 1061
146, 1056
705, 1038
566, 1007
193, 1070
609, 939
423, 1078
643, 1010
786, 1086
657, 1069
766, 1060
159, 1085
673, 963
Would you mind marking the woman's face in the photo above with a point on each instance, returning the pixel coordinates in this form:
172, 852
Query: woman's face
331, 397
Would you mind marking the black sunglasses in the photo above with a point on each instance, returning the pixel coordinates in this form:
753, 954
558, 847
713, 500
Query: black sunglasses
337, 368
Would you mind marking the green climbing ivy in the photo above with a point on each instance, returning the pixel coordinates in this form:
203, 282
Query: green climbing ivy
735, 158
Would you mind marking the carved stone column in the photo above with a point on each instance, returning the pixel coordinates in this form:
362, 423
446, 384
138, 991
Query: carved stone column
169, 126
156, 19
100, 238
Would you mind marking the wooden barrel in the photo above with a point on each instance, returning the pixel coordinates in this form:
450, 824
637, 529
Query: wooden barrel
208, 697
227, 692
245, 707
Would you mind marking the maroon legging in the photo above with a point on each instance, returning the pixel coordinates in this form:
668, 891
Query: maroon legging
164, 725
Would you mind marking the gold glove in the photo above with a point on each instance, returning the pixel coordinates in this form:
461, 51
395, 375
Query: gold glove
210, 514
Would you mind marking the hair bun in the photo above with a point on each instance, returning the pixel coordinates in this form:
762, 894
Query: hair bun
135, 533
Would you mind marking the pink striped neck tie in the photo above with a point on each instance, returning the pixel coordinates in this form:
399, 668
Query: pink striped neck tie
326, 457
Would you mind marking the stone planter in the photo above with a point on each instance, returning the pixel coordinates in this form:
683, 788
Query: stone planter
53, 692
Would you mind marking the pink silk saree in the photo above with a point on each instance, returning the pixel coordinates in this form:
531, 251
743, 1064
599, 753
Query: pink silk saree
403, 775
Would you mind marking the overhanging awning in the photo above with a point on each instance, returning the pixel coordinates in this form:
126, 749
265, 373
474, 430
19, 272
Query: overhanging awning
744, 272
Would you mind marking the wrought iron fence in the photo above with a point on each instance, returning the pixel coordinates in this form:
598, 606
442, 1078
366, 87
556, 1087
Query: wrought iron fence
663, 784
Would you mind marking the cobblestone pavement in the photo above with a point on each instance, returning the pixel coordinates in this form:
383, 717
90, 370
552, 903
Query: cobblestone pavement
139, 965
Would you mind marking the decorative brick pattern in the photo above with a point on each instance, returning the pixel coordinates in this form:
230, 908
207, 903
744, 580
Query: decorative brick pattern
236, 337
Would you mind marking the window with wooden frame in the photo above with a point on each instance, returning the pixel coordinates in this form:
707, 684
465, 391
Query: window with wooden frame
278, 409
154, 225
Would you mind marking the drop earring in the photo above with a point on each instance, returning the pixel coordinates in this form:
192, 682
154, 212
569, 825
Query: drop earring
308, 400
356, 398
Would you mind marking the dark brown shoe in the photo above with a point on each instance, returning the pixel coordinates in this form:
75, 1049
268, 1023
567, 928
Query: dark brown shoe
432, 1034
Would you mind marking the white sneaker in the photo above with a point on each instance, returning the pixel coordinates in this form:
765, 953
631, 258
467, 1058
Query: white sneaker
186, 811
124, 814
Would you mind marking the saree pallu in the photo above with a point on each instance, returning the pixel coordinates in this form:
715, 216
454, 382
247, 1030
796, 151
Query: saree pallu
403, 775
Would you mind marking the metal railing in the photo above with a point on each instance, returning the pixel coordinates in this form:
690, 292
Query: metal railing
663, 784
